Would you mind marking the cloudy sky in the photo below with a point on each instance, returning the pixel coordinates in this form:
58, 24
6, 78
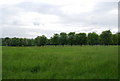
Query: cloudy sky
31, 18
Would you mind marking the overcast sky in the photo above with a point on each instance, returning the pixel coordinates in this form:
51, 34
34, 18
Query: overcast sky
31, 18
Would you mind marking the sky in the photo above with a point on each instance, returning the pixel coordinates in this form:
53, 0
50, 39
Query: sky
32, 18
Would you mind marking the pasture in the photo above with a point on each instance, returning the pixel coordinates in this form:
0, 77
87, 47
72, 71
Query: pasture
68, 62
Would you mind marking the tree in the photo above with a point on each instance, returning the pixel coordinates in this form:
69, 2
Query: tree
14, 42
37, 41
29, 42
55, 39
25, 42
48, 42
6, 41
115, 39
118, 38
0, 41
21, 41
81, 39
106, 37
71, 38
63, 38
41, 40
93, 38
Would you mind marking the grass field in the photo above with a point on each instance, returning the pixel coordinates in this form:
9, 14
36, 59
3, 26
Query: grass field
49, 62
0, 63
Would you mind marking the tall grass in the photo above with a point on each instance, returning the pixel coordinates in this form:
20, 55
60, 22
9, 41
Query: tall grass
50, 62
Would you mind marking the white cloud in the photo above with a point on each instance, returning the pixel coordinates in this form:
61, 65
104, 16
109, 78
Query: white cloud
114, 12
76, 9
10, 2
54, 2
34, 34
37, 17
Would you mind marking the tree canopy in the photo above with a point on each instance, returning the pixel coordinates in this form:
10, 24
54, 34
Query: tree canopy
72, 38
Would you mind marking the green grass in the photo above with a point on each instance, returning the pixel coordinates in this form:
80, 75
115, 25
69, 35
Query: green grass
0, 62
49, 62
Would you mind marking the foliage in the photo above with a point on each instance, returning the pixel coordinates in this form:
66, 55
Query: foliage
93, 39
71, 38
80, 39
40, 40
105, 38
55, 39
63, 38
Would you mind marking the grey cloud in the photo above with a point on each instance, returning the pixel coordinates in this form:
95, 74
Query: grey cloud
105, 6
99, 17
8, 12
11, 25
36, 23
24, 32
40, 8
14, 32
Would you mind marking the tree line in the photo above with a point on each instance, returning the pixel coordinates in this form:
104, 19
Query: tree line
105, 38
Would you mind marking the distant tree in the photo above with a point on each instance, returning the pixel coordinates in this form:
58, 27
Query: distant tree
32, 42
15, 42
93, 38
3, 42
48, 42
55, 39
106, 37
115, 39
0, 41
29, 42
118, 38
71, 38
37, 41
41, 40
25, 42
6, 41
63, 38
21, 41
81, 39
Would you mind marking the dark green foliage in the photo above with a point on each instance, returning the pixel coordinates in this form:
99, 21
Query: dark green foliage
115, 39
40, 40
6, 41
48, 42
71, 38
106, 37
63, 38
55, 39
93, 39
14, 42
118, 38
80, 39
0, 41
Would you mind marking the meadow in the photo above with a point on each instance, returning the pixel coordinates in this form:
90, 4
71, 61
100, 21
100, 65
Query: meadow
68, 62
0, 62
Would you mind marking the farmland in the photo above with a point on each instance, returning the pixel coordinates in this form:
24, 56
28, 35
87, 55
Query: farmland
68, 62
